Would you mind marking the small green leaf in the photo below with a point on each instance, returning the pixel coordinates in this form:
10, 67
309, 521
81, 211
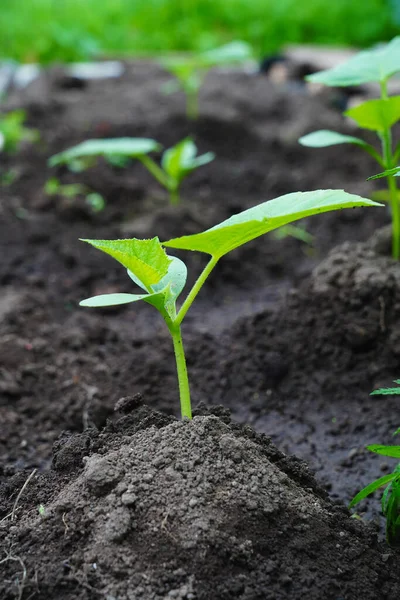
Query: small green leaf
234, 52
372, 487
325, 137
387, 391
145, 258
132, 147
378, 64
181, 160
111, 300
251, 223
393, 451
376, 115
388, 173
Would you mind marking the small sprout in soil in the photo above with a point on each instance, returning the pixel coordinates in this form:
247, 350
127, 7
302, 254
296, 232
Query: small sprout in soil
41, 510
94, 200
13, 132
176, 163
191, 69
391, 496
380, 115
162, 277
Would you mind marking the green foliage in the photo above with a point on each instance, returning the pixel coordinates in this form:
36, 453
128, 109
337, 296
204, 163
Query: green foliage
13, 132
391, 496
71, 30
191, 69
176, 164
377, 115
376, 65
163, 277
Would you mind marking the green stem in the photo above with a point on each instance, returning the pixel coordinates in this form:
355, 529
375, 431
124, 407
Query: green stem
183, 380
386, 138
174, 197
195, 289
155, 170
192, 105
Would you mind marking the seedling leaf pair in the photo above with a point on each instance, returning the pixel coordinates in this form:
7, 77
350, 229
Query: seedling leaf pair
177, 162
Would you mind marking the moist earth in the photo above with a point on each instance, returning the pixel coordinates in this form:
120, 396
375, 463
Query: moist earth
291, 338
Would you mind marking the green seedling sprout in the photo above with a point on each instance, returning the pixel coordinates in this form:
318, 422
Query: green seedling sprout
54, 187
391, 496
371, 66
176, 163
190, 70
13, 132
162, 277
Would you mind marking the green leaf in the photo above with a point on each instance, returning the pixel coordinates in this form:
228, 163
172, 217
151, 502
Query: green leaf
104, 300
378, 64
377, 115
145, 258
393, 451
387, 391
372, 487
251, 223
132, 147
234, 52
388, 173
181, 160
325, 137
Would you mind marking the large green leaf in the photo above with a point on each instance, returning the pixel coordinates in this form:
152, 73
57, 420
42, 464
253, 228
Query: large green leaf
377, 115
131, 147
372, 487
251, 223
377, 65
146, 259
393, 451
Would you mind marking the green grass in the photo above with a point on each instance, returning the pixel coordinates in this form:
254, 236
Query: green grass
51, 30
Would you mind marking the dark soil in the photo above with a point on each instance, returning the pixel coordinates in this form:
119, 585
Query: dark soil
291, 339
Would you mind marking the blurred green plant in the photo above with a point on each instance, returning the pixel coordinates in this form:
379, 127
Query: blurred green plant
190, 70
94, 200
176, 163
377, 65
13, 132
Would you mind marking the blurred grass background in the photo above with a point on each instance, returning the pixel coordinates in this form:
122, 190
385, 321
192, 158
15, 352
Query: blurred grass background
70, 30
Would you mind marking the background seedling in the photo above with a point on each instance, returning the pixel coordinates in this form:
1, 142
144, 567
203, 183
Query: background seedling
391, 496
163, 277
54, 187
176, 163
13, 132
190, 70
377, 65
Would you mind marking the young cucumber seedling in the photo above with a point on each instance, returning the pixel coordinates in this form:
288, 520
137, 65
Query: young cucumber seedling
377, 65
163, 277
190, 70
391, 495
176, 163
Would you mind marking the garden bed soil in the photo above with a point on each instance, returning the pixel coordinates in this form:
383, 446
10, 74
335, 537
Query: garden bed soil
290, 338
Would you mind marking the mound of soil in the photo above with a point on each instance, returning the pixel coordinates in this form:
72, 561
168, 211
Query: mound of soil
191, 510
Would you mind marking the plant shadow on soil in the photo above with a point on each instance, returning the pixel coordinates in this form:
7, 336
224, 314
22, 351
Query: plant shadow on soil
291, 339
